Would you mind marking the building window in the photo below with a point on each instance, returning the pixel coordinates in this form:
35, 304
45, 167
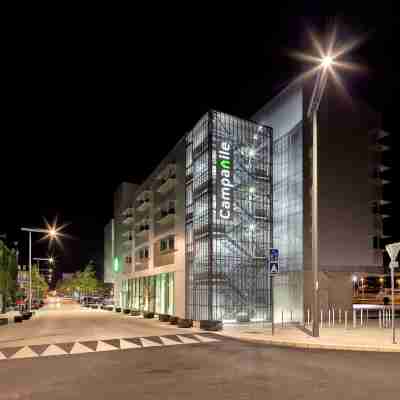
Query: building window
163, 244
167, 244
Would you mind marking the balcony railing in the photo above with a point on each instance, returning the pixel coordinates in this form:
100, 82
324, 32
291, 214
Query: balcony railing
127, 219
167, 184
166, 216
143, 229
143, 205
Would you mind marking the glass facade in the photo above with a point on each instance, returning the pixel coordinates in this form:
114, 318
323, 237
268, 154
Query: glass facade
154, 293
228, 219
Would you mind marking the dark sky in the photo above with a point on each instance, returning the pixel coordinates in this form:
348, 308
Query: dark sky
97, 97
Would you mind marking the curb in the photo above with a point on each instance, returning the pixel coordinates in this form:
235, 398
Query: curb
318, 346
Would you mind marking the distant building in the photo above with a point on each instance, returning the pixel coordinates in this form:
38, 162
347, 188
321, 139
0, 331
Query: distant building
67, 275
109, 251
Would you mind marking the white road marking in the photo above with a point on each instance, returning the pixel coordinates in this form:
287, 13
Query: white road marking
102, 346
205, 339
79, 348
25, 352
149, 343
125, 344
169, 342
53, 350
187, 340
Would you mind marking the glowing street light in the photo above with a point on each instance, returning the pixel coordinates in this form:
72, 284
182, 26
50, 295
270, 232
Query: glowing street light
324, 66
52, 232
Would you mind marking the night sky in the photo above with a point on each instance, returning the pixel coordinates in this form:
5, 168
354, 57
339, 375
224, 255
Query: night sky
98, 98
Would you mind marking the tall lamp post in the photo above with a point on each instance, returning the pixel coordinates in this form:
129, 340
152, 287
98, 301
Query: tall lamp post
52, 233
50, 260
393, 250
312, 112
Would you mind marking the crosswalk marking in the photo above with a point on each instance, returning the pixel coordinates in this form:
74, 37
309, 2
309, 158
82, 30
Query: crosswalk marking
169, 342
25, 352
205, 339
79, 348
149, 343
53, 350
187, 340
102, 346
124, 344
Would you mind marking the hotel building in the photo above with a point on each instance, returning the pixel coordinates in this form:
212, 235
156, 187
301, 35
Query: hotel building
193, 239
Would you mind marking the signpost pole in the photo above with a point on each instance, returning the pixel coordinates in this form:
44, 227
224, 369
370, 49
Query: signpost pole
272, 305
273, 265
393, 250
393, 310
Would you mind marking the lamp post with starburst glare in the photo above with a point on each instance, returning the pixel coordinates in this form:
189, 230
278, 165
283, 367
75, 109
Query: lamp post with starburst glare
326, 63
52, 232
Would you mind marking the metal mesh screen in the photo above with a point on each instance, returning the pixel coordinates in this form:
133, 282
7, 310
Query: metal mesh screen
228, 220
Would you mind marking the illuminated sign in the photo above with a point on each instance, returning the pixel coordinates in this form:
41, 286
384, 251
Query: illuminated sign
224, 181
116, 264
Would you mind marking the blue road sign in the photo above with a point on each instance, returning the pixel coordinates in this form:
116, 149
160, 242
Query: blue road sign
273, 261
273, 267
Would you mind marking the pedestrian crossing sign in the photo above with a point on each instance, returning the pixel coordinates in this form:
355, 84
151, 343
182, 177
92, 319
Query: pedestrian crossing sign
274, 267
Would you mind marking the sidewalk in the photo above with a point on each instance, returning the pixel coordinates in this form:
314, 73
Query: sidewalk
370, 338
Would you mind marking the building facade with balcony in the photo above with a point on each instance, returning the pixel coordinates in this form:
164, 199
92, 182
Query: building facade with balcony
193, 239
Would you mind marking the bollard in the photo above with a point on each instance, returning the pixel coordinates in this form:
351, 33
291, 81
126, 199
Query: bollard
361, 318
333, 317
379, 319
340, 316
308, 316
366, 322
345, 320
291, 315
354, 318
282, 318
322, 319
329, 318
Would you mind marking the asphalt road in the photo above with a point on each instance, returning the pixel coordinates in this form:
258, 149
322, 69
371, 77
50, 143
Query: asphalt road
227, 369
224, 370
69, 322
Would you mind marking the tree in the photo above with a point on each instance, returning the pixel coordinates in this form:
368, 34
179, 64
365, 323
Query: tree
39, 284
8, 275
84, 282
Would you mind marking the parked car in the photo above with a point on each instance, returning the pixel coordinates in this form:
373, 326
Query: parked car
108, 301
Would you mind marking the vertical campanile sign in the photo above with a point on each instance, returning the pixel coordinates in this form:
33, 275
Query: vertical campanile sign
224, 182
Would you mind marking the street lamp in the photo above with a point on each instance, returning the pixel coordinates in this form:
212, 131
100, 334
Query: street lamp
354, 285
52, 234
318, 91
50, 260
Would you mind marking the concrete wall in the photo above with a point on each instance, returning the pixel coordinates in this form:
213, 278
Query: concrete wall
345, 188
